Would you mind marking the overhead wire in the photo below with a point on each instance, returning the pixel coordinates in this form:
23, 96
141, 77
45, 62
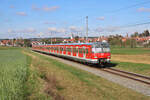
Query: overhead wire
128, 7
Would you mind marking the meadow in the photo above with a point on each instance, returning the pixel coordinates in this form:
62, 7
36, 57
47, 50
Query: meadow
13, 74
132, 59
26, 75
130, 51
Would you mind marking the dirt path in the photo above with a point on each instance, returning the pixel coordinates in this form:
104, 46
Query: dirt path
145, 58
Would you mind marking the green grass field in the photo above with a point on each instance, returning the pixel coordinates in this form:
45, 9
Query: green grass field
132, 59
143, 69
130, 51
25, 75
13, 74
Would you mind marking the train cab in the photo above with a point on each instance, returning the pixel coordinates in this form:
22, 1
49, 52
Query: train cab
101, 52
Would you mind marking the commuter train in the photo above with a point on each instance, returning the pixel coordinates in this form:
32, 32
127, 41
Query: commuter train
95, 53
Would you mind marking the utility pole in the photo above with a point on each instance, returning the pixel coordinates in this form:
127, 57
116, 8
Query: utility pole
86, 28
51, 37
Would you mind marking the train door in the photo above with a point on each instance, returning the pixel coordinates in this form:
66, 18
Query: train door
88, 52
66, 50
77, 51
46, 47
64, 47
71, 50
60, 50
80, 51
84, 52
74, 50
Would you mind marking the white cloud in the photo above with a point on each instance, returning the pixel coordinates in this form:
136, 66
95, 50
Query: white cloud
12, 6
53, 23
21, 13
61, 30
53, 8
107, 29
35, 8
54, 29
99, 29
101, 18
76, 29
112, 28
143, 9
10, 31
45, 8
28, 30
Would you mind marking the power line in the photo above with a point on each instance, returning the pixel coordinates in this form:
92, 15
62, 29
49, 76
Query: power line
86, 28
133, 25
128, 7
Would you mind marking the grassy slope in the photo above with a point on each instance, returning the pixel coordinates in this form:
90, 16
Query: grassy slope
13, 74
143, 69
76, 84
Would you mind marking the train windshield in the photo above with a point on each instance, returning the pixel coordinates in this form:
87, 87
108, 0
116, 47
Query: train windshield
100, 47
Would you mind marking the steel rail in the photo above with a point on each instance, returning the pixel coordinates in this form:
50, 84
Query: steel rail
115, 71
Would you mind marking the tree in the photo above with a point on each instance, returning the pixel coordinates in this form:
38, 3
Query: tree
146, 33
27, 43
76, 38
135, 34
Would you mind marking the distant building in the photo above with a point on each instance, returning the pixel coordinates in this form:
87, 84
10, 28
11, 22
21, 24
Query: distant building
1, 43
5, 43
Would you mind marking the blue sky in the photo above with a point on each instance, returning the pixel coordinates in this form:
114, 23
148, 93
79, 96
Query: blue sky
46, 18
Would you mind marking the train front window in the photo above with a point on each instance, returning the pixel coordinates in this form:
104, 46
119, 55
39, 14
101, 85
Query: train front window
100, 47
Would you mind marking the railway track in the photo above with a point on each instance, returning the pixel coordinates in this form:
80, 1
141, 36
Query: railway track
125, 74
129, 75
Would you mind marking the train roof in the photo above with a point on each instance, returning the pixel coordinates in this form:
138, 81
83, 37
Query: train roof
75, 43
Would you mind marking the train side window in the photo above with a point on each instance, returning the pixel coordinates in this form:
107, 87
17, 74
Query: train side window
84, 50
74, 50
65, 49
77, 50
87, 51
80, 50
58, 48
69, 49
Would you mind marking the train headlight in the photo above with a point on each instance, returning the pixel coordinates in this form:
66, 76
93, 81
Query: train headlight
95, 57
108, 60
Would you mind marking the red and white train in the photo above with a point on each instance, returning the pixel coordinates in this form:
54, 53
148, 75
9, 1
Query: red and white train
96, 53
